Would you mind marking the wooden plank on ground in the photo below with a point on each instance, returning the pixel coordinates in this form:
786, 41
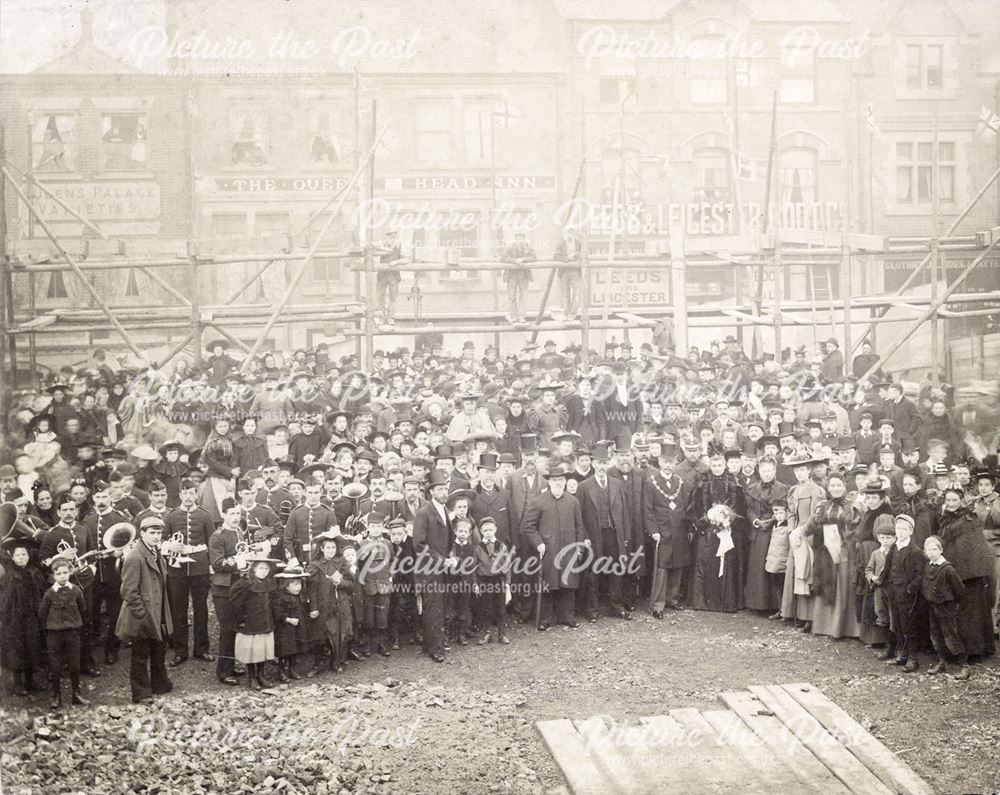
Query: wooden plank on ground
582, 773
760, 762
670, 762
783, 744
696, 766
893, 771
727, 759
597, 739
842, 762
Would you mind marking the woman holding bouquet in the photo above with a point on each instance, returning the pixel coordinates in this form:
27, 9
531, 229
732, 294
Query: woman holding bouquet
715, 504
831, 532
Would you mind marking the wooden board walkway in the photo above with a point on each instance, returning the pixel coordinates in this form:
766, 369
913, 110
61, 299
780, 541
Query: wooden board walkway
768, 740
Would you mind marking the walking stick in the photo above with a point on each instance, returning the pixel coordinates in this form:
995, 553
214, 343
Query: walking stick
538, 595
652, 587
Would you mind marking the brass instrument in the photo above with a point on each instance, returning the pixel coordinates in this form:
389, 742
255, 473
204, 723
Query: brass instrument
12, 526
357, 523
763, 523
284, 510
183, 554
117, 537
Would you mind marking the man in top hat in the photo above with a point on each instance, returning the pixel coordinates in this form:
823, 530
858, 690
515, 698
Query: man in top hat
582, 410
554, 528
519, 253
390, 256
490, 500
608, 522
523, 485
143, 617
432, 539
188, 526
620, 412
664, 515
107, 583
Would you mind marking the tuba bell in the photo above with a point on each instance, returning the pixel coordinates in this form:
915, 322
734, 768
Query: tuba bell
119, 536
355, 523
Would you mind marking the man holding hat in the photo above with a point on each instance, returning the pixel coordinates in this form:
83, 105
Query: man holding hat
143, 617
554, 527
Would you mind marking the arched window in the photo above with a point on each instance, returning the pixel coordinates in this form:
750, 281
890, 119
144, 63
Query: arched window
711, 174
614, 162
798, 176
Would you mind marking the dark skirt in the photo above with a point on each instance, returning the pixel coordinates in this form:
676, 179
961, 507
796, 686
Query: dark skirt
975, 618
719, 594
757, 595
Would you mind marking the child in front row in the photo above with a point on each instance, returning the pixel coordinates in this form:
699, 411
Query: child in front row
61, 613
776, 560
250, 600
291, 621
492, 581
875, 571
942, 588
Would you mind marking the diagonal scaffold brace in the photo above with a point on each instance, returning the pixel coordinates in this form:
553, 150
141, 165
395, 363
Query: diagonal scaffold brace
76, 268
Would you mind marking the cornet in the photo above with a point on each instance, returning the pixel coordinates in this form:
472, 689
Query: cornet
182, 552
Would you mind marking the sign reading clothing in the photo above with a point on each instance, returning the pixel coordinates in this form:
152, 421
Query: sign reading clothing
456, 182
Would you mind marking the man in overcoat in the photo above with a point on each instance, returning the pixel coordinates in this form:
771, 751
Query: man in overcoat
432, 539
665, 517
607, 520
554, 527
144, 617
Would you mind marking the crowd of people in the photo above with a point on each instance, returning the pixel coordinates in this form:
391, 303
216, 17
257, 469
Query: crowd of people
328, 513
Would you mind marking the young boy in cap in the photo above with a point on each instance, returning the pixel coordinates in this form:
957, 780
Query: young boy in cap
402, 607
375, 577
942, 587
493, 564
462, 567
61, 613
908, 610
875, 571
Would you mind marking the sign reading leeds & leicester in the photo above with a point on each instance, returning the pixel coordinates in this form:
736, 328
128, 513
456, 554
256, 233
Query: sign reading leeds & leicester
455, 182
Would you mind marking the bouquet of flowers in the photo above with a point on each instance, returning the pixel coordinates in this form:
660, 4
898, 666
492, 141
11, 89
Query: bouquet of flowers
720, 521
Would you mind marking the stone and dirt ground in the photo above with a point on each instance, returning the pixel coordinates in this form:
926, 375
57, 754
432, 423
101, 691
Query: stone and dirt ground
407, 725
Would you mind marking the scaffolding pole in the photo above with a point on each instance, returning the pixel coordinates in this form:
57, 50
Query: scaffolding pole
76, 268
300, 271
951, 229
931, 310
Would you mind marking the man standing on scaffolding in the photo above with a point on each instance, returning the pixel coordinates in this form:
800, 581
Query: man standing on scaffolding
568, 250
517, 278
389, 253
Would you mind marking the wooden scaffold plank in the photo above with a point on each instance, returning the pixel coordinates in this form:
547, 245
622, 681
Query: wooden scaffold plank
782, 743
893, 771
799, 722
568, 748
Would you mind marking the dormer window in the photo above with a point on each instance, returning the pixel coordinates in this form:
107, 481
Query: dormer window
924, 66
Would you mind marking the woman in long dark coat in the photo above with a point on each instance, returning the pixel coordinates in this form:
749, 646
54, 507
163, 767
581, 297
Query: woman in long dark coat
717, 584
22, 585
832, 531
866, 542
967, 549
330, 606
760, 496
